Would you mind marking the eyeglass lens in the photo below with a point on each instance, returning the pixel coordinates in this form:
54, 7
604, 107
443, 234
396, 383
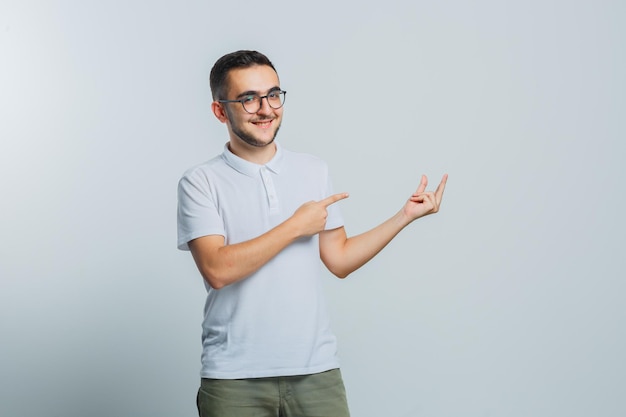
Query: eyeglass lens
252, 103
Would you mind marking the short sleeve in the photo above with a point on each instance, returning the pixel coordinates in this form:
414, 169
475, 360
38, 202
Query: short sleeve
198, 214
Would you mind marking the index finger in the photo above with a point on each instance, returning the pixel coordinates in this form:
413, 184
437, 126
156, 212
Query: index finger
441, 187
333, 199
423, 185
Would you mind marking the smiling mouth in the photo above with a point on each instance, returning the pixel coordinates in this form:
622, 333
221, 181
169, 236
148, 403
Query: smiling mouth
263, 124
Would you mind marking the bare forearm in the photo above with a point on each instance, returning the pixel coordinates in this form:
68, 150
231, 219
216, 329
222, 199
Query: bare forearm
227, 264
357, 250
343, 255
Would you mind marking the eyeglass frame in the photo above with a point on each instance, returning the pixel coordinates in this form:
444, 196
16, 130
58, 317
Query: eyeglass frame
241, 100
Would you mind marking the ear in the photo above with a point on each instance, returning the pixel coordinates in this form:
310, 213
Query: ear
219, 112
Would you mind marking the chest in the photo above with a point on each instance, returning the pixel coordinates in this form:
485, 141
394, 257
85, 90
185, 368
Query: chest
251, 205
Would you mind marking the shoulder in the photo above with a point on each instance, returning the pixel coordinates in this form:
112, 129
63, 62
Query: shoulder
204, 169
199, 178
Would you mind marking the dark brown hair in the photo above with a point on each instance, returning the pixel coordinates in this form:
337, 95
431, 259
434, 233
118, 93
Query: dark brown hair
233, 60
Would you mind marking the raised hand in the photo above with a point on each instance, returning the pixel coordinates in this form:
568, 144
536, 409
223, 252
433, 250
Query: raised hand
310, 218
422, 202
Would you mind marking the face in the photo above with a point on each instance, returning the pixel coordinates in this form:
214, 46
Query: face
253, 129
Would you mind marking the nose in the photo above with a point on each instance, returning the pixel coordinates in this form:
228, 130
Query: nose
265, 106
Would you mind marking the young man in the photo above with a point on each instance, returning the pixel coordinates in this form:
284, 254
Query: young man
257, 219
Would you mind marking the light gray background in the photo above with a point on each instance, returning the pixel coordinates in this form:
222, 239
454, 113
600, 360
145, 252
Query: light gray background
510, 302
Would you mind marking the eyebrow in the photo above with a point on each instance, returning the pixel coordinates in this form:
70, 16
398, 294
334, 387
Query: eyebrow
251, 92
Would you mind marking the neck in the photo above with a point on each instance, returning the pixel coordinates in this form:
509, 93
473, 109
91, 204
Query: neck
257, 155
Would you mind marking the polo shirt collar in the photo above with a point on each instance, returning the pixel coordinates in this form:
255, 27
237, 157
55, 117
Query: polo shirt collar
250, 168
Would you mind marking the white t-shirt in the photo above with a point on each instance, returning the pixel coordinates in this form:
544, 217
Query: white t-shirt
273, 323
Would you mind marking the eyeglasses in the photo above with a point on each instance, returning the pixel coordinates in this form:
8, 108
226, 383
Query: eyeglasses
252, 102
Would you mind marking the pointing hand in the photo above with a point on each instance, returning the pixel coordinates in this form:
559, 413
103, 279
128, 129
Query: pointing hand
310, 217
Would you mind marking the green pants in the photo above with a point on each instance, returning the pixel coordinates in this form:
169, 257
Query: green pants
317, 395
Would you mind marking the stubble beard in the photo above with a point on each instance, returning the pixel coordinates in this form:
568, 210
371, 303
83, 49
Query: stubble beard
248, 138
251, 140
